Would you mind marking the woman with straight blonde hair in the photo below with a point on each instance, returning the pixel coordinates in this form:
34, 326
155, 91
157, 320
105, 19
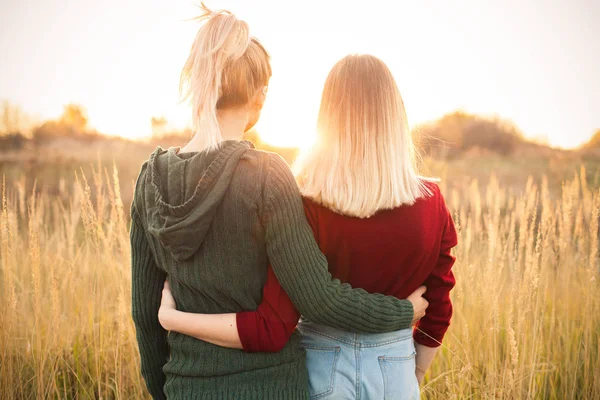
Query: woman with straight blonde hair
210, 217
382, 228
363, 143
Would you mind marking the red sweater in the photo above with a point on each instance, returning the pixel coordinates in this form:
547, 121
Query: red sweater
393, 252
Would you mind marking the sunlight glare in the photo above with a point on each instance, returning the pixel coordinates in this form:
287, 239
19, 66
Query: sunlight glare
281, 133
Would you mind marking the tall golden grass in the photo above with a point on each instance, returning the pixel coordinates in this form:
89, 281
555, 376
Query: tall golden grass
527, 302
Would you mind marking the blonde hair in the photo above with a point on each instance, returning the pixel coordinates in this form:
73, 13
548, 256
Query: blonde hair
226, 68
364, 159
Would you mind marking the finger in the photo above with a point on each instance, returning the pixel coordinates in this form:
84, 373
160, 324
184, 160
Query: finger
166, 286
421, 290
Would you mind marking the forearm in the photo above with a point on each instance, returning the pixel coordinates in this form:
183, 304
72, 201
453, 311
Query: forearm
339, 305
218, 329
424, 357
434, 325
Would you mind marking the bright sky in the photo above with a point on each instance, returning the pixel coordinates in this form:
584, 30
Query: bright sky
535, 62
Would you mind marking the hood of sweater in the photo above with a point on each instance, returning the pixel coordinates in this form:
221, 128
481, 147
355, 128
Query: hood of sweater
183, 192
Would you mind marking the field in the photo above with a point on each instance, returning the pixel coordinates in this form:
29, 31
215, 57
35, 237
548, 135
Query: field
527, 306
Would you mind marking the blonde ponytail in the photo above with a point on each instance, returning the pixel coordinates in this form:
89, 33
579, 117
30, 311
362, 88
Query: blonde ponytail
222, 70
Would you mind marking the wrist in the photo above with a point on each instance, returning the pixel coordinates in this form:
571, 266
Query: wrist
420, 374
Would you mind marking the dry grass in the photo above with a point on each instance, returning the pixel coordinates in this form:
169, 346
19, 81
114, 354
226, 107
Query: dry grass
65, 327
527, 303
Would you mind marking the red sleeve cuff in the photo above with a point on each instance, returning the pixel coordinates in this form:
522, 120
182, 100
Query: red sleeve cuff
247, 329
425, 340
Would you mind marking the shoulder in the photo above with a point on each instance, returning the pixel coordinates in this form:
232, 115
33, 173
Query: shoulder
144, 173
446, 222
442, 211
276, 168
434, 196
142, 180
430, 193
141, 175
432, 186
140, 183
264, 160
267, 167
277, 162
279, 182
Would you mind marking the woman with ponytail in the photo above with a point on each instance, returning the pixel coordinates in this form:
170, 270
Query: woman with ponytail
210, 217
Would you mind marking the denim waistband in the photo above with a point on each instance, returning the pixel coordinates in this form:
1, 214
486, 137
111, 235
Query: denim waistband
364, 339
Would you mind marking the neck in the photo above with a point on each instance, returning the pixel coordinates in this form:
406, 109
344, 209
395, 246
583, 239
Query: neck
232, 124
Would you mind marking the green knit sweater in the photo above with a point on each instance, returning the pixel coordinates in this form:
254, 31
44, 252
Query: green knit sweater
211, 222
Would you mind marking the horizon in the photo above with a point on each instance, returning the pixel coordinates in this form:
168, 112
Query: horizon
534, 65
181, 131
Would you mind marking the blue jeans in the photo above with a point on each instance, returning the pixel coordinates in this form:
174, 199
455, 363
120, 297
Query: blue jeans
346, 365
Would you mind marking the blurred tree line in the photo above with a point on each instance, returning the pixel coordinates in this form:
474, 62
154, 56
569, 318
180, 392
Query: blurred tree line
594, 142
17, 128
459, 132
451, 136
13, 125
72, 124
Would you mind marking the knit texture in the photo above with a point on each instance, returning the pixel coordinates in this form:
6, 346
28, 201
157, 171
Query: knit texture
210, 222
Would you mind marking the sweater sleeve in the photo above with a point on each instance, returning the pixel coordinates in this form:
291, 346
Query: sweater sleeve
146, 285
436, 321
270, 327
302, 270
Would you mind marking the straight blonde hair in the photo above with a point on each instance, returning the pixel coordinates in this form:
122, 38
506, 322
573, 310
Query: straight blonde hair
226, 68
364, 159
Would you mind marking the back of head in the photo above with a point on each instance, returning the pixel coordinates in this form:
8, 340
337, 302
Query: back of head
364, 158
226, 68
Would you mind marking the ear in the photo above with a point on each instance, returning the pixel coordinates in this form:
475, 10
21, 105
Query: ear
259, 99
